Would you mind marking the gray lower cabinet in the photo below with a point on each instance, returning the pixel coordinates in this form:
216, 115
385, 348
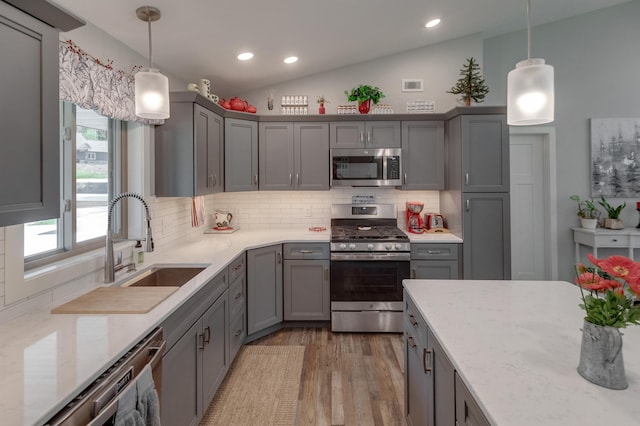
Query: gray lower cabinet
293, 156
241, 155
443, 383
365, 134
30, 148
237, 304
306, 282
467, 411
264, 288
435, 261
197, 356
487, 241
423, 155
189, 155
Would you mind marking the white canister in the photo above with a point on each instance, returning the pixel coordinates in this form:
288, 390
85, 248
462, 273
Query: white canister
204, 87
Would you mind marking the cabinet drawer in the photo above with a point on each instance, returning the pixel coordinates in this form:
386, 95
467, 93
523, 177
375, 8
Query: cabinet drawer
237, 296
306, 251
612, 241
237, 267
434, 251
237, 334
467, 410
414, 323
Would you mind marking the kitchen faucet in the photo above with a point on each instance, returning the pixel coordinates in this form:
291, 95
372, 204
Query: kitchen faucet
109, 267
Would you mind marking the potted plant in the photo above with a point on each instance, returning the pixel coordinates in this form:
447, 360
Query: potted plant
321, 101
471, 85
364, 94
587, 212
613, 220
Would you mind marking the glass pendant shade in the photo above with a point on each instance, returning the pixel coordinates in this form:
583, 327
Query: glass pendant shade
530, 93
152, 94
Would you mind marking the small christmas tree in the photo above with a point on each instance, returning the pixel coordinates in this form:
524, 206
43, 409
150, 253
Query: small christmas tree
471, 85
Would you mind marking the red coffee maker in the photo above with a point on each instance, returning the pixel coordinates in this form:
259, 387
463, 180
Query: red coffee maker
415, 224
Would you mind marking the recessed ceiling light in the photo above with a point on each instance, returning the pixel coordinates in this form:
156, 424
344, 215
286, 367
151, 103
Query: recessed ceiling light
291, 60
432, 23
245, 56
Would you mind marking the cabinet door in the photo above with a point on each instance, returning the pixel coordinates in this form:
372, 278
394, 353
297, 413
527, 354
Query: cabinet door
485, 153
434, 269
311, 150
275, 151
181, 380
486, 234
383, 134
347, 134
443, 384
208, 135
306, 290
237, 333
468, 413
241, 155
264, 288
29, 119
215, 354
423, 155
418, 382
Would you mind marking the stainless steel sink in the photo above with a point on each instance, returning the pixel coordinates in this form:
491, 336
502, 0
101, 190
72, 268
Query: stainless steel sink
164, 276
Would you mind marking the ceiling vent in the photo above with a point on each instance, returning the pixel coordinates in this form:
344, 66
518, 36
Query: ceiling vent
412, 85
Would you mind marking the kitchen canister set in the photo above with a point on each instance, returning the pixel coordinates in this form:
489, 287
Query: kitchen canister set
204, 88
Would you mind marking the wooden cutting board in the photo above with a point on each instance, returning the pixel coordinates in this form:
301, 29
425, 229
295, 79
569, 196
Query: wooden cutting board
116, 300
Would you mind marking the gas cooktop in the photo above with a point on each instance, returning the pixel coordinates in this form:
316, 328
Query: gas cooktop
366, 232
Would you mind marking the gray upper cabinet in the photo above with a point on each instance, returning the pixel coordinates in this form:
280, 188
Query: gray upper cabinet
29, 119
294, 156
189, 152
485, 152
423, 155
241, 155
365, 134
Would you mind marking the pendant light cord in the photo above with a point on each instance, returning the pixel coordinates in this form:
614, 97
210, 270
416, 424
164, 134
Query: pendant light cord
528, 31
149, 23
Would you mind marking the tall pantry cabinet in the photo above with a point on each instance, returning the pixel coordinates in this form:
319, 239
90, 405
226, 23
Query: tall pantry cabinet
476, 201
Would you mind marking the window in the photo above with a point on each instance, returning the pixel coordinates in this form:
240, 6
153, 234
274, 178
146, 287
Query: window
92, 163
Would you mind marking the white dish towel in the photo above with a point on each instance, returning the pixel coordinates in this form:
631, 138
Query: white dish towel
148, 404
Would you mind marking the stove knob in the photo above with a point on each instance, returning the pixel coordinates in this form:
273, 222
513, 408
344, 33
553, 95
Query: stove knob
369, 246
399, 246
388, 246
343, 246
352, 246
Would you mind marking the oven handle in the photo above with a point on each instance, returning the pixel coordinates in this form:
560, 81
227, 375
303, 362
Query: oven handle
371, 256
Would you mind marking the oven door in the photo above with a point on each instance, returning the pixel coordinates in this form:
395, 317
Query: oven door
368, 277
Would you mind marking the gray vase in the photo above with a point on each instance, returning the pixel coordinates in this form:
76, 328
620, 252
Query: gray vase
601, 356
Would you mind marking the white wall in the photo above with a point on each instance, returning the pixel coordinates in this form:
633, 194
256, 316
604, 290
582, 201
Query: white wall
596, 62
438, 65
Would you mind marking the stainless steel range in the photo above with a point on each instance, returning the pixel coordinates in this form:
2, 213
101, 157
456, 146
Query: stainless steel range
369, 259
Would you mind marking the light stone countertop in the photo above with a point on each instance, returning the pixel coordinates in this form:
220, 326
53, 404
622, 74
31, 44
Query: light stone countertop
46, 359
516, 345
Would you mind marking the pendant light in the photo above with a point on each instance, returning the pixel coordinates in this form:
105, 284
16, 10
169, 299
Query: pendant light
530, 97
151, 87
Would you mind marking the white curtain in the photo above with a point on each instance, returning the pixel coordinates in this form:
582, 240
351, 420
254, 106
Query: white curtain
91, 85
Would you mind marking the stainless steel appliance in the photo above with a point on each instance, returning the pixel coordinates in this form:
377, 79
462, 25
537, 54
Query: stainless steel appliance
366, 167
98, 403
369, 259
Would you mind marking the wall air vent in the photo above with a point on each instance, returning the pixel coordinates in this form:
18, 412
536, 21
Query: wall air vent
412, 85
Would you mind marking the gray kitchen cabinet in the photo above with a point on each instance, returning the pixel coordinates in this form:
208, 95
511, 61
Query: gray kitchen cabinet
237, 304
443, 383
306, 282
435, 261
468, 413
487, 242
189, 155
423, 155
264, 288
29, 115
241, 155
294, 156
197, 356
365, 134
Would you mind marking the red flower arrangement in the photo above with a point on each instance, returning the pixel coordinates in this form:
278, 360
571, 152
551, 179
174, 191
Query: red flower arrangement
614, 285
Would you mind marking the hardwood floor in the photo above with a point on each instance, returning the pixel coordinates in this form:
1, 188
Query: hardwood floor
347, 378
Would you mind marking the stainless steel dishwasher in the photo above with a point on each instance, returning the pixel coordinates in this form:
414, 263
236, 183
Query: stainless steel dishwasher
98, 403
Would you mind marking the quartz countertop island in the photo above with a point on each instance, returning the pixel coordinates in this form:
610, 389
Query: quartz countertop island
516, 345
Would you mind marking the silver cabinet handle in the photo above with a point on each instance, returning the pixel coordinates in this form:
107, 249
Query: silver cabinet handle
426, 352
279, 256
411, 342
306, 251
361, 136
368, 135
413, 273
207, 334
238, 296
405, 178
297, 178
468, 202
238, 332
466, 178
201, 341
412, 320
326, 273
255, 179
433, 251
290, 179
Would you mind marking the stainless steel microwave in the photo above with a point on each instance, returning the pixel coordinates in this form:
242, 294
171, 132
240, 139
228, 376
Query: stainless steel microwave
366, 167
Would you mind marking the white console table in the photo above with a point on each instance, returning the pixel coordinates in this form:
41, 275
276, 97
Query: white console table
628, 238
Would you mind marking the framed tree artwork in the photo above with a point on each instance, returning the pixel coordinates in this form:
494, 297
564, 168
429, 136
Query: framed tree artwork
615, 157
